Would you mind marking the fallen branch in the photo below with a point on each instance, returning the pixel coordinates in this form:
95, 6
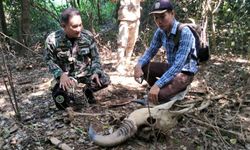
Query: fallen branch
216, 97
115, 103
13, 101
24, 82
239, 135
192, 101
27, 48
203, 105
71, 114
59, 144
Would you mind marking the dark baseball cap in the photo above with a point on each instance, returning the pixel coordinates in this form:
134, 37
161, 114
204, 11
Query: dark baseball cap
161, 6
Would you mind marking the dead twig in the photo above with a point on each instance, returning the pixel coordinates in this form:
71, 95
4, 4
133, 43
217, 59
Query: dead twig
6, 36
217, 97
24, 82
217, 131
9, 76
192, 101
237, 134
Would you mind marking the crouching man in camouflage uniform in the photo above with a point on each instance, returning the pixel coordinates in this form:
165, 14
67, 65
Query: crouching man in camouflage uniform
72, 53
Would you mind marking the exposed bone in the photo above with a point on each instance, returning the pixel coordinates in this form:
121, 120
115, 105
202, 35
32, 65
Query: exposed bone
159, 117
127, 129
163, 120
182, 111
165, 106
191, 108
71, 114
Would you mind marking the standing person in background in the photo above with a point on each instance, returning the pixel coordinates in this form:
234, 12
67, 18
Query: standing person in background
129, 16
72, 56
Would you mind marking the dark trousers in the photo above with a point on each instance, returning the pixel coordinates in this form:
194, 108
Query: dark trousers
178, 84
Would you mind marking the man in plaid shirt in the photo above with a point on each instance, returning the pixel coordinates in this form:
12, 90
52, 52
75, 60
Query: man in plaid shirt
168, 79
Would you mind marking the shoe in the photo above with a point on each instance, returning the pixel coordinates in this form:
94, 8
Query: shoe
90, 96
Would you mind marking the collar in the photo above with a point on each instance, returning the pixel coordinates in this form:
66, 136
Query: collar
65, 38
174, 27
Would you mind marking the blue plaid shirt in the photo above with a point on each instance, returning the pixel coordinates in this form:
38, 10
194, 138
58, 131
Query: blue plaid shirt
179, 60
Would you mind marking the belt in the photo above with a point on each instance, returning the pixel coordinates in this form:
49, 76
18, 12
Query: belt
188, 73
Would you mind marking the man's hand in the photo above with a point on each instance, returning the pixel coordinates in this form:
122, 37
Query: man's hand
138, 73
66, 82
153, 94
96, 79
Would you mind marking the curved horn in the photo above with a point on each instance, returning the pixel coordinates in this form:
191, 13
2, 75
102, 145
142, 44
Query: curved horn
126, 130
166, 106
182, 111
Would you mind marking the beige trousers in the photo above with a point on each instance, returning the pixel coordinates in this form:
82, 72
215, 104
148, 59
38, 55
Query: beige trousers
127, 36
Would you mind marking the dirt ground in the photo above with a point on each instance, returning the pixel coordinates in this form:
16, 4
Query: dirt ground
224, 124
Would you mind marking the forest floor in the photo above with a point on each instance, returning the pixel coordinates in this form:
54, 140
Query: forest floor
224, 124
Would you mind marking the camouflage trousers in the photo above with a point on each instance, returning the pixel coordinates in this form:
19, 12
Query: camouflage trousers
93, 85
127, 36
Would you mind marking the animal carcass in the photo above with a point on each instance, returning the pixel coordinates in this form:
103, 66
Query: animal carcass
159, 116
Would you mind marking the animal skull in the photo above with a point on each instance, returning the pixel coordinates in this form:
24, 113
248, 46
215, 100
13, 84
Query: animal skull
159, 116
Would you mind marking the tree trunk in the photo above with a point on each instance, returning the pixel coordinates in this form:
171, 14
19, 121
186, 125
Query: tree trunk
213, 40
25, 21
211, 24
213, 11
73, 3
99, 11
3, 21
24, 25
204, 23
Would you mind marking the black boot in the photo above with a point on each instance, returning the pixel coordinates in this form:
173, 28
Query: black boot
60, 97
89, 95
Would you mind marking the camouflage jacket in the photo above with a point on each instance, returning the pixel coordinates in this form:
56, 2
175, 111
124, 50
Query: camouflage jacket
129, 10
79, 61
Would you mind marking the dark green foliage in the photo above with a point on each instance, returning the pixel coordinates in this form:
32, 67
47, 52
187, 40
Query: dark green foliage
41, 25
12, 12
90, 13
231, 20
233, 25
